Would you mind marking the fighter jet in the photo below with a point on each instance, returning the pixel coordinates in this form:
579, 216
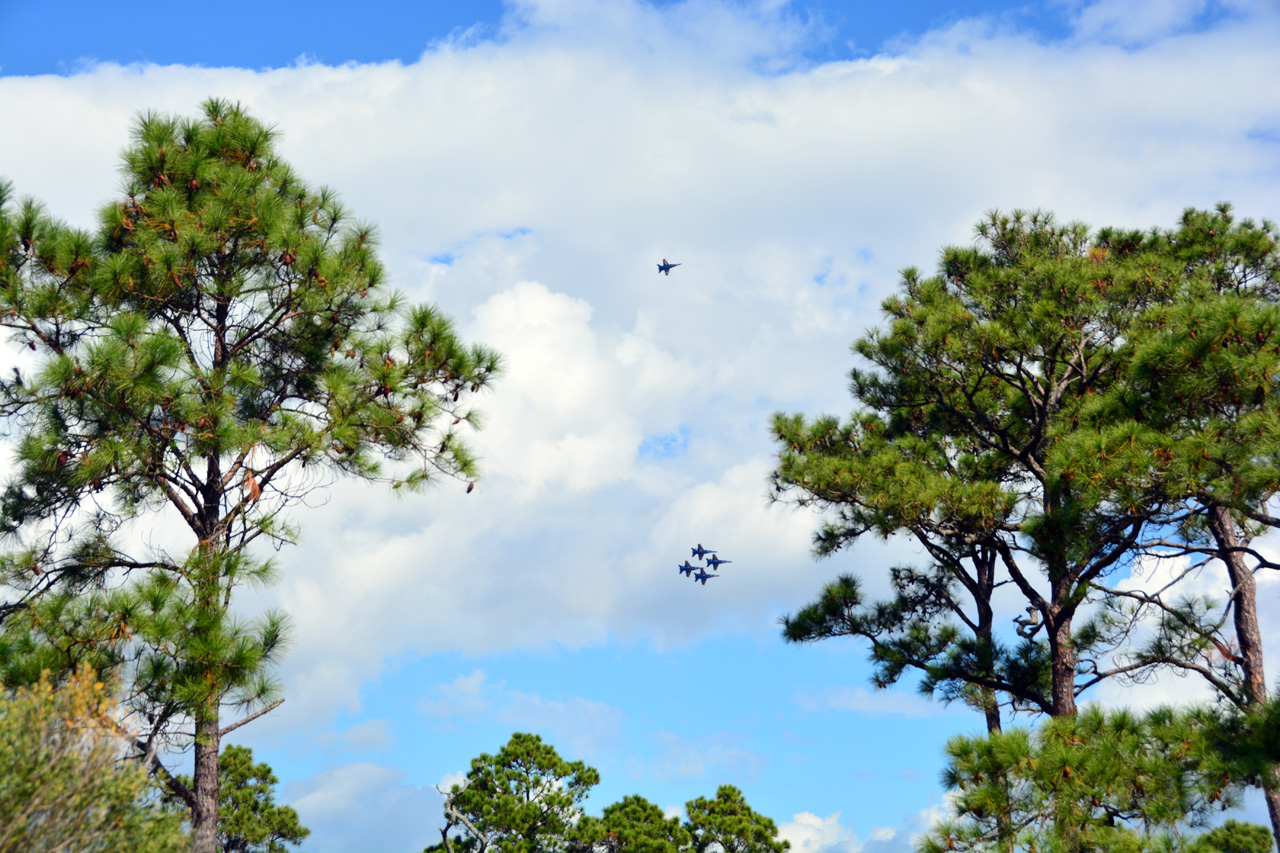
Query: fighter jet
703, 576
666, 268
701, 552
714, 562
686, 569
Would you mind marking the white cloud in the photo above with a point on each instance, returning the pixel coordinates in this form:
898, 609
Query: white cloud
464, 696
809, 833
451, 779
932, 815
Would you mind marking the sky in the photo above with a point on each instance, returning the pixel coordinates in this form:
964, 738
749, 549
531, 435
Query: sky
527, 165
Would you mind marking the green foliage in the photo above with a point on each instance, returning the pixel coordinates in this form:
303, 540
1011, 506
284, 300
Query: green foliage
1198, 409
634, 825
61, 784
1190, 433
727, 823
1234, 837
222, 346
249, 821
1097, 781
525, 799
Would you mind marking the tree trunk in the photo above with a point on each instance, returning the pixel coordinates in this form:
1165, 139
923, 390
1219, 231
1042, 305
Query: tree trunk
985, 564
1272, 794
1062, 653
1244, 595
204, 817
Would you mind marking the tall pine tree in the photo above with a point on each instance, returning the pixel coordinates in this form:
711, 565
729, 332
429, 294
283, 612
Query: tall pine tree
217, 349
1193, 425
980, 372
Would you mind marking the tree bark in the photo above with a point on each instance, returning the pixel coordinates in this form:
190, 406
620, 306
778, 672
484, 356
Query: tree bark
1244, 595
1062, 652
204, 817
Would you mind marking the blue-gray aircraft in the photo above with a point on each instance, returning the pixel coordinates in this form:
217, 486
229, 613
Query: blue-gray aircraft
703, 576
666, 268
701, 552
714, 562
686, 569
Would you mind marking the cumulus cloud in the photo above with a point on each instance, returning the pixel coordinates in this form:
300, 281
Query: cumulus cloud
809, 833
1136, 21
367, 736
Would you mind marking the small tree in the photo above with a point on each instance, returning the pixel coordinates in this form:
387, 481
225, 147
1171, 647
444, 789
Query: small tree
634, 825
222, 345
62, 786
525, 799
249, 821
1096, 781
726, 823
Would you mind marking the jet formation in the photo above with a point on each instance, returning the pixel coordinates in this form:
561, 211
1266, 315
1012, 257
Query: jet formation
701, 575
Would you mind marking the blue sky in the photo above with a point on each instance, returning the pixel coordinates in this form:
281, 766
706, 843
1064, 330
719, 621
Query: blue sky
527, 165
272, 35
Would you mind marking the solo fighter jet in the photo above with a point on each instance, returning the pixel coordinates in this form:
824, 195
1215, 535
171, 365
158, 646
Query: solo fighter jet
701, 552
703, 576
666, 268
686, 569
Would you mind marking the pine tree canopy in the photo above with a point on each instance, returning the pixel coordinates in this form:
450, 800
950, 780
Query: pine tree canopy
727, 823
524, 799
634, 825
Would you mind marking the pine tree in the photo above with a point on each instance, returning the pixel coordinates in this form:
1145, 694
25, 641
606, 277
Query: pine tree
1096, 781
1052, 407
1193, 424
524, 799
249, 821
633, 825
222, 345
981, 371
1234, 837
726, 823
